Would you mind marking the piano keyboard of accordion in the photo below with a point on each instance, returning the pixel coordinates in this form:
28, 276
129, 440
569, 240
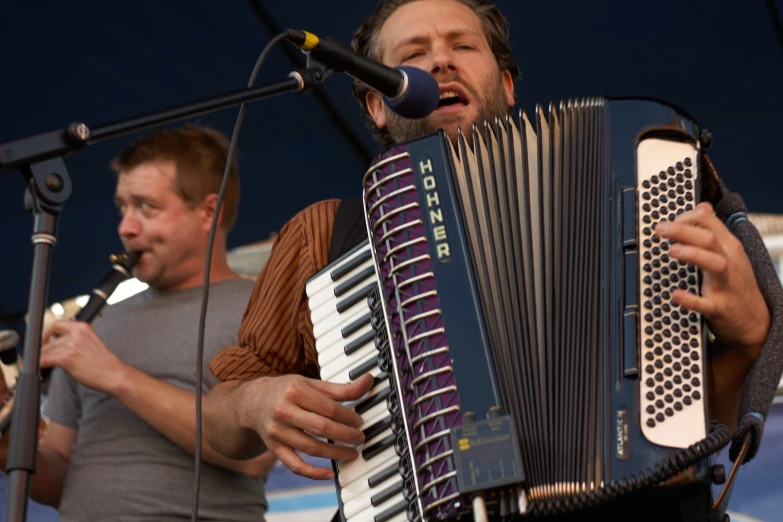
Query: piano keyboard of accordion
541, 361
351, 340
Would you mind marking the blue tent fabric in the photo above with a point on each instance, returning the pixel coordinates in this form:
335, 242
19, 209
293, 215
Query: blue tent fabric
98, 62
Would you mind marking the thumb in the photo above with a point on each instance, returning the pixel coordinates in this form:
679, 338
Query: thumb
345, 391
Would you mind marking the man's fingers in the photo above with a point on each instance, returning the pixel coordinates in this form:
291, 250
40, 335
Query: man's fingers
309, 445
324, 427
694, 303
704, 215
57, 328
711, 262
345, 392
327, 408
49, 359
320, 416
687, 234
294, 462
50, 355
58, 352
326, 397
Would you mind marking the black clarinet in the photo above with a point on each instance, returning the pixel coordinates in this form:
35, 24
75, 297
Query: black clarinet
121, 270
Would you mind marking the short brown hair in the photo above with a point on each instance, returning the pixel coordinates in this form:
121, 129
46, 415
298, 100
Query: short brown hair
199, 154
366, 43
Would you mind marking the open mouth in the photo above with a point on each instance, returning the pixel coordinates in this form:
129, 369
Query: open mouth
450, 98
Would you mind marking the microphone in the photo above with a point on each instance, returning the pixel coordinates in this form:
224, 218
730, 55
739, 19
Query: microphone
8, 341
408, 91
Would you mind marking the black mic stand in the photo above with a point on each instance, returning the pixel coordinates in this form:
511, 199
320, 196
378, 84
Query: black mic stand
40, 158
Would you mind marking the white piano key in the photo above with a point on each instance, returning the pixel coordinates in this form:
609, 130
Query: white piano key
376, 412
361, 485
370, 514
348, 362
362, 502
399, 517
337, 349
348, 471
373, 415
332, 306
375, 440
378, 387
324, 324
343, 376
325, 278
334, 335
327, 293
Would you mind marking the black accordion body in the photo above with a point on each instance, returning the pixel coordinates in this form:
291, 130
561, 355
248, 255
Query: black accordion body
516, 309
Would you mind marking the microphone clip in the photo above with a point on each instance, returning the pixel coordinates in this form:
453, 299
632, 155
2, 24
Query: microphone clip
308, 78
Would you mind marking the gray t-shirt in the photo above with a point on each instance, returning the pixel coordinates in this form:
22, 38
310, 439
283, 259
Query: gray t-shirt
122, 468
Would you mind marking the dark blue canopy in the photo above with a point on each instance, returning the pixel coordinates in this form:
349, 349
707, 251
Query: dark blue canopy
97, 62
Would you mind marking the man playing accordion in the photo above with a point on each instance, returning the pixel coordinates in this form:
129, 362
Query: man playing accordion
271, 395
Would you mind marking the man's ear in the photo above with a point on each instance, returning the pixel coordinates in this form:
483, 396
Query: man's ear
508, 87
208, 206
375, 107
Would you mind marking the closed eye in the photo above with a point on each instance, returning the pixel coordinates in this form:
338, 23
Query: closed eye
411, 56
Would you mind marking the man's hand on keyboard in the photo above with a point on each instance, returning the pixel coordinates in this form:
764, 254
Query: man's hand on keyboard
292, 413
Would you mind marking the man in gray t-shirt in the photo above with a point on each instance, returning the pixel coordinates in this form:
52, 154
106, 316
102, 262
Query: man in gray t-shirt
121, 404
148, 475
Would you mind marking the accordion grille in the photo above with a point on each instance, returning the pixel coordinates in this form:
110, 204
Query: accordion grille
420, 347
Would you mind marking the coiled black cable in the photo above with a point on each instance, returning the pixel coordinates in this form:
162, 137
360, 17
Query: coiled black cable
717, 439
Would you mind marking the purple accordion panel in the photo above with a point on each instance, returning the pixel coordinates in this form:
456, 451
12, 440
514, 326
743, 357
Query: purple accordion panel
419, 340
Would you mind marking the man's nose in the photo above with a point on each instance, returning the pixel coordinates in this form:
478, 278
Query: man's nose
129, 225
442, 60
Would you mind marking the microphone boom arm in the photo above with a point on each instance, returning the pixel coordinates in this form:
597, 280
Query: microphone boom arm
59, 143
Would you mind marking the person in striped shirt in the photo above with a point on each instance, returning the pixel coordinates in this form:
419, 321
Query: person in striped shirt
270, 394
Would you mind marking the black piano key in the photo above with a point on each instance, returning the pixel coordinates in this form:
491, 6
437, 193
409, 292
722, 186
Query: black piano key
365, 367
389, 513
358, 343
375, 449
380, 378
354, 298
356, 325
340, 271
386, 494
383, 475
372, 401
377, 428
342, 288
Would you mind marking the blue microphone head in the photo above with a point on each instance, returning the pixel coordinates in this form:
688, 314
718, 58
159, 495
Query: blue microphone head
420, 98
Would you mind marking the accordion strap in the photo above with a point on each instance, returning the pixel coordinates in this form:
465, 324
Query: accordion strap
765, 374
348, 229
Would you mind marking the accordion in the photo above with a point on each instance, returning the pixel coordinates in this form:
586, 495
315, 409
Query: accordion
517, 311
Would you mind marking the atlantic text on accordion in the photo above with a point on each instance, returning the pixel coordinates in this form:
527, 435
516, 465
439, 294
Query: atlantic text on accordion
515, 306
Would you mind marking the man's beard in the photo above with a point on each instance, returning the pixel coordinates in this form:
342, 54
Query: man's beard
491, 105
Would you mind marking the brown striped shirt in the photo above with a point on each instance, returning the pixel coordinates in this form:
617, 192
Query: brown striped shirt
276, 334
